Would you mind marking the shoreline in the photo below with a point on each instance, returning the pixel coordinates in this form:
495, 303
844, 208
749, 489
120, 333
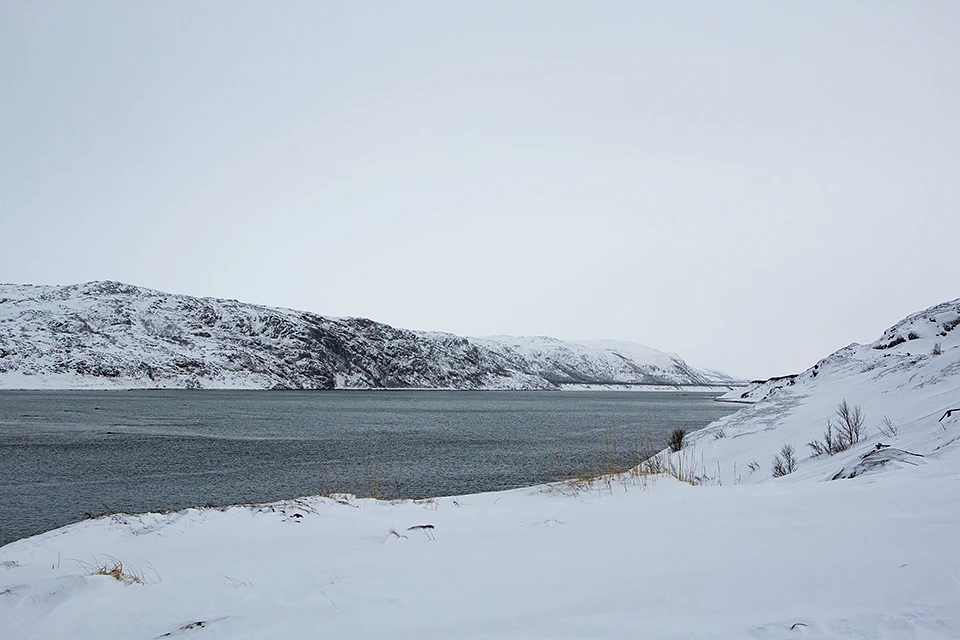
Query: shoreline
587, 387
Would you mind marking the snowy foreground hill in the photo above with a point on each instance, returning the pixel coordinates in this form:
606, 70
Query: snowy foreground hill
109, 335
904, 383
860, 544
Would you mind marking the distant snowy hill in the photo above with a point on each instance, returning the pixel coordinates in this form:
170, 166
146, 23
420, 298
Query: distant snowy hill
114, 335
905, 383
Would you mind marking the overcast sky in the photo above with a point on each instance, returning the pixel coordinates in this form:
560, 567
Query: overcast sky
752, 185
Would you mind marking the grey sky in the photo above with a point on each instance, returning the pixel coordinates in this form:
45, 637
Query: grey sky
750, 184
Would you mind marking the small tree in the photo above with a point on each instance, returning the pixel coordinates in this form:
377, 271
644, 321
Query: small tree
675, 439
784, 463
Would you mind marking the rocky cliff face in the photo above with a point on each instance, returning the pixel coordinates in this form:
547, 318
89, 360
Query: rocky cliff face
114, 335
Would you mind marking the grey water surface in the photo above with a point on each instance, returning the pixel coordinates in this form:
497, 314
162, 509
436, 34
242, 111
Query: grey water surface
64, 454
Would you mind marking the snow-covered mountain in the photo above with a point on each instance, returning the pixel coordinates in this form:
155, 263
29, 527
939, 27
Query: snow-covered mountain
905, 383
114, 335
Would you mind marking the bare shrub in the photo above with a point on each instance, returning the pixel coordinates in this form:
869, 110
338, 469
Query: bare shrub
840, 436
675, 439
937, 349
850, 428
827, 445
753, 465
889, 429
784, 463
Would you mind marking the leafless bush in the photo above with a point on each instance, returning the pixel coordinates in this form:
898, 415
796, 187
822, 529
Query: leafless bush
851, 423
840, 436
753, 465
889, 430
785, 462
937, 349
675, 439
828, 445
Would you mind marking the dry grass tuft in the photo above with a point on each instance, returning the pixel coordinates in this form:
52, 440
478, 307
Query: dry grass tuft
623, 467
115, 569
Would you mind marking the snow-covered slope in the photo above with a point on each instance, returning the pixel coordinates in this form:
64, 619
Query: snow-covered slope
114, 335
852, 561
904, 383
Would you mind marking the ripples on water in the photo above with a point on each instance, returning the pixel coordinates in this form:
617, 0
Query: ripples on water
66, 453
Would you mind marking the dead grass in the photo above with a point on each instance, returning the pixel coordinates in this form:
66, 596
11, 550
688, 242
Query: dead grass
428, 530
118, 573
114, 568
616, 467
427, 503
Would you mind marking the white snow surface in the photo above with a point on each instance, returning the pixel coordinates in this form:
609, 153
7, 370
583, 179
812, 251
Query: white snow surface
111, 335
910, 375
738, 554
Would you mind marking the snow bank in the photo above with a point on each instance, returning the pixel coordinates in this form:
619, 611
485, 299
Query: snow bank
847, 559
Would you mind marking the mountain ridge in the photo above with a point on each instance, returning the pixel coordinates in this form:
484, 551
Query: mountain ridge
108, 334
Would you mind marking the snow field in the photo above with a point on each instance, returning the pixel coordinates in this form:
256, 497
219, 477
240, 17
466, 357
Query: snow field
848, 559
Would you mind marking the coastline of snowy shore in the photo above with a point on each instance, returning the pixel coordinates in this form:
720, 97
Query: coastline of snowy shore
857, 541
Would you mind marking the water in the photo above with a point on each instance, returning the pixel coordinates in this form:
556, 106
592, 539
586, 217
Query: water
67, 454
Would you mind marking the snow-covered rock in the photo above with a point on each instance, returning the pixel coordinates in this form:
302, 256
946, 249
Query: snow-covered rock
114, 335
